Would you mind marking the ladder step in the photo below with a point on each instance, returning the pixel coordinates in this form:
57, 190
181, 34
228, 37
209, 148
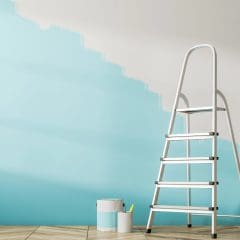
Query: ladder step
183, 209
190, 136
185, 184
184, 160
198, 109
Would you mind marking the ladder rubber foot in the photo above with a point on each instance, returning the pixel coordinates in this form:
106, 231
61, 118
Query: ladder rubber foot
189, 225
214, 235
148, 230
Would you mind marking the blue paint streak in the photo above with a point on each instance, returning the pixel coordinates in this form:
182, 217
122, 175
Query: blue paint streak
74, 129
107, 220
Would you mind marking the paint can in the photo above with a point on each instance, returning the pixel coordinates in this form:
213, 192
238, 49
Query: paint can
107, 210
125, 222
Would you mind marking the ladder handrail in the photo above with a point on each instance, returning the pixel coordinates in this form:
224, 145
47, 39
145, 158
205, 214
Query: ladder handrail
235, 149
185, 99
181, 78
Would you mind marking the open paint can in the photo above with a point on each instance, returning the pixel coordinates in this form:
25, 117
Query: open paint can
125, 222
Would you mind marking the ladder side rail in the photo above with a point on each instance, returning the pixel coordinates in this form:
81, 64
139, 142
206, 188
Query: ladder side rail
189, 220
155, 199
214, 129
214, 141
234, 145
189, 200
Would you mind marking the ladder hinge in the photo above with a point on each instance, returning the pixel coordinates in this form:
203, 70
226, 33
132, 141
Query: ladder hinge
212, 208
213, 158
214, 133
151, 206
213, 183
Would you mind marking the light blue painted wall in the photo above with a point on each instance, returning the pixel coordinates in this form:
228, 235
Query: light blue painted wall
74, 128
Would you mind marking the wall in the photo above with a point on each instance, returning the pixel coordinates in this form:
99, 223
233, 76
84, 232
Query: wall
149, 39
75, 128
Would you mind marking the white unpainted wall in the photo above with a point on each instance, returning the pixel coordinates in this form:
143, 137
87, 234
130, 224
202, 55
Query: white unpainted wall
149, 38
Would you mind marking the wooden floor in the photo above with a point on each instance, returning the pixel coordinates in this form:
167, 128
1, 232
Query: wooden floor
90, 232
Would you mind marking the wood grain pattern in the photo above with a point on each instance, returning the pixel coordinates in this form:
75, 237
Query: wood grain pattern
90, 233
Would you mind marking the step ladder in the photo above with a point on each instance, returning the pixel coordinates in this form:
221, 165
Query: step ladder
188, 160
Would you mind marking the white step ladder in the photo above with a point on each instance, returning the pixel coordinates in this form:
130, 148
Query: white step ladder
212, 160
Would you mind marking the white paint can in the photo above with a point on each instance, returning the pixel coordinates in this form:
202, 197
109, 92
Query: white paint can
125, 222
107, 210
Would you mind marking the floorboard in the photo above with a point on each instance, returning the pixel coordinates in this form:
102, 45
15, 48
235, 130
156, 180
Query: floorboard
90, 233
